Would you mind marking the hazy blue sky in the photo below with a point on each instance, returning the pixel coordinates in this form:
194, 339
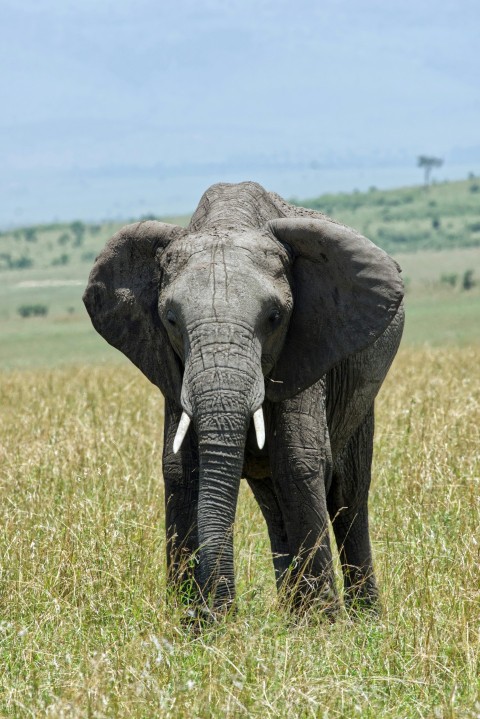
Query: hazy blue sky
116, 108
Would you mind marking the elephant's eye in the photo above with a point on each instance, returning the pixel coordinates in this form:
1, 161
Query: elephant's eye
171, 319
274, 317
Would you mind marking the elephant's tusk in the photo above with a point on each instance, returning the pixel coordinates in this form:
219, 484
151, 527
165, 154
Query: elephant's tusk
183, 426
259, 427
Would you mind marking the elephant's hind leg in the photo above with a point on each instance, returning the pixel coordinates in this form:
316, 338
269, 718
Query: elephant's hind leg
264, 493
347, 503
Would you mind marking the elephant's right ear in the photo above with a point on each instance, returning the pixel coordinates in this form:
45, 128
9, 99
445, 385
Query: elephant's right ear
346, 293
122, 300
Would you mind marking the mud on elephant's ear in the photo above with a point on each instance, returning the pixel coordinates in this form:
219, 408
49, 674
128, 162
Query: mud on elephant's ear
122, 300
346, 293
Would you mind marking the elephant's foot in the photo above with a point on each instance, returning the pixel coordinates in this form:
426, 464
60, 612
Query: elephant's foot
183, 594
305, 593
361, 594
182, 583
199, 616
207, 603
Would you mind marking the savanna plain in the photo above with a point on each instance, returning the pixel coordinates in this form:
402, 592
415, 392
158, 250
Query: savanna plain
84, 625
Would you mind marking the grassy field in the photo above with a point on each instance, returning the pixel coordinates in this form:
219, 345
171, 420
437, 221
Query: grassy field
437, 319
84, 629
409, 219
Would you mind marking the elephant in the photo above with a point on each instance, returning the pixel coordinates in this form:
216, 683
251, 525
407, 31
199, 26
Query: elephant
269, 329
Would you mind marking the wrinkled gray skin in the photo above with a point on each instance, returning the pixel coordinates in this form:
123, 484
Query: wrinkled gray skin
259, 304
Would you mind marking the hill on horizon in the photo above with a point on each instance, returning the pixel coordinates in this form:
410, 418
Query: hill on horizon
439, 217
442, 216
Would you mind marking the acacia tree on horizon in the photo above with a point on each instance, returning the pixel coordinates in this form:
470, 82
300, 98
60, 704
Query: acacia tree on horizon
428, 163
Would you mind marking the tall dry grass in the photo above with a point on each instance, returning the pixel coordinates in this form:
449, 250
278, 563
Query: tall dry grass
84, 630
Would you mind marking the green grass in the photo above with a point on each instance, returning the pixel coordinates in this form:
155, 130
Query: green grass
442, 319
422, 270
44, 342
439, 318
84, 629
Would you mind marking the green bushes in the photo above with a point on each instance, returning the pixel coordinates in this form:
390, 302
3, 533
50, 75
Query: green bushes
37, 310
452, 279
78, 230
30, 234
449, 279
15, 263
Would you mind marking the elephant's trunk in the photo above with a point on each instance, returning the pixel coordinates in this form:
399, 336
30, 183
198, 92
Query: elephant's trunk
221, 446
223, 387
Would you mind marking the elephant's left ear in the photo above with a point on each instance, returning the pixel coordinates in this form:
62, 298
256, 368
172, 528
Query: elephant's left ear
122, 300
346, 292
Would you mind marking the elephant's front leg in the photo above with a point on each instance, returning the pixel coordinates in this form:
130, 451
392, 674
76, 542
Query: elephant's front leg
180, 473
301, 471
267, 501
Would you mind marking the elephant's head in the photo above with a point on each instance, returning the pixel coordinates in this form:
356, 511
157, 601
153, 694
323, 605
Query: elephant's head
242, 305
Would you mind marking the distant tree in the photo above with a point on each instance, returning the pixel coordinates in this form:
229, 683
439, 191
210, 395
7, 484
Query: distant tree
78, 229
428, 163
30, 234
468, 282
21, 263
